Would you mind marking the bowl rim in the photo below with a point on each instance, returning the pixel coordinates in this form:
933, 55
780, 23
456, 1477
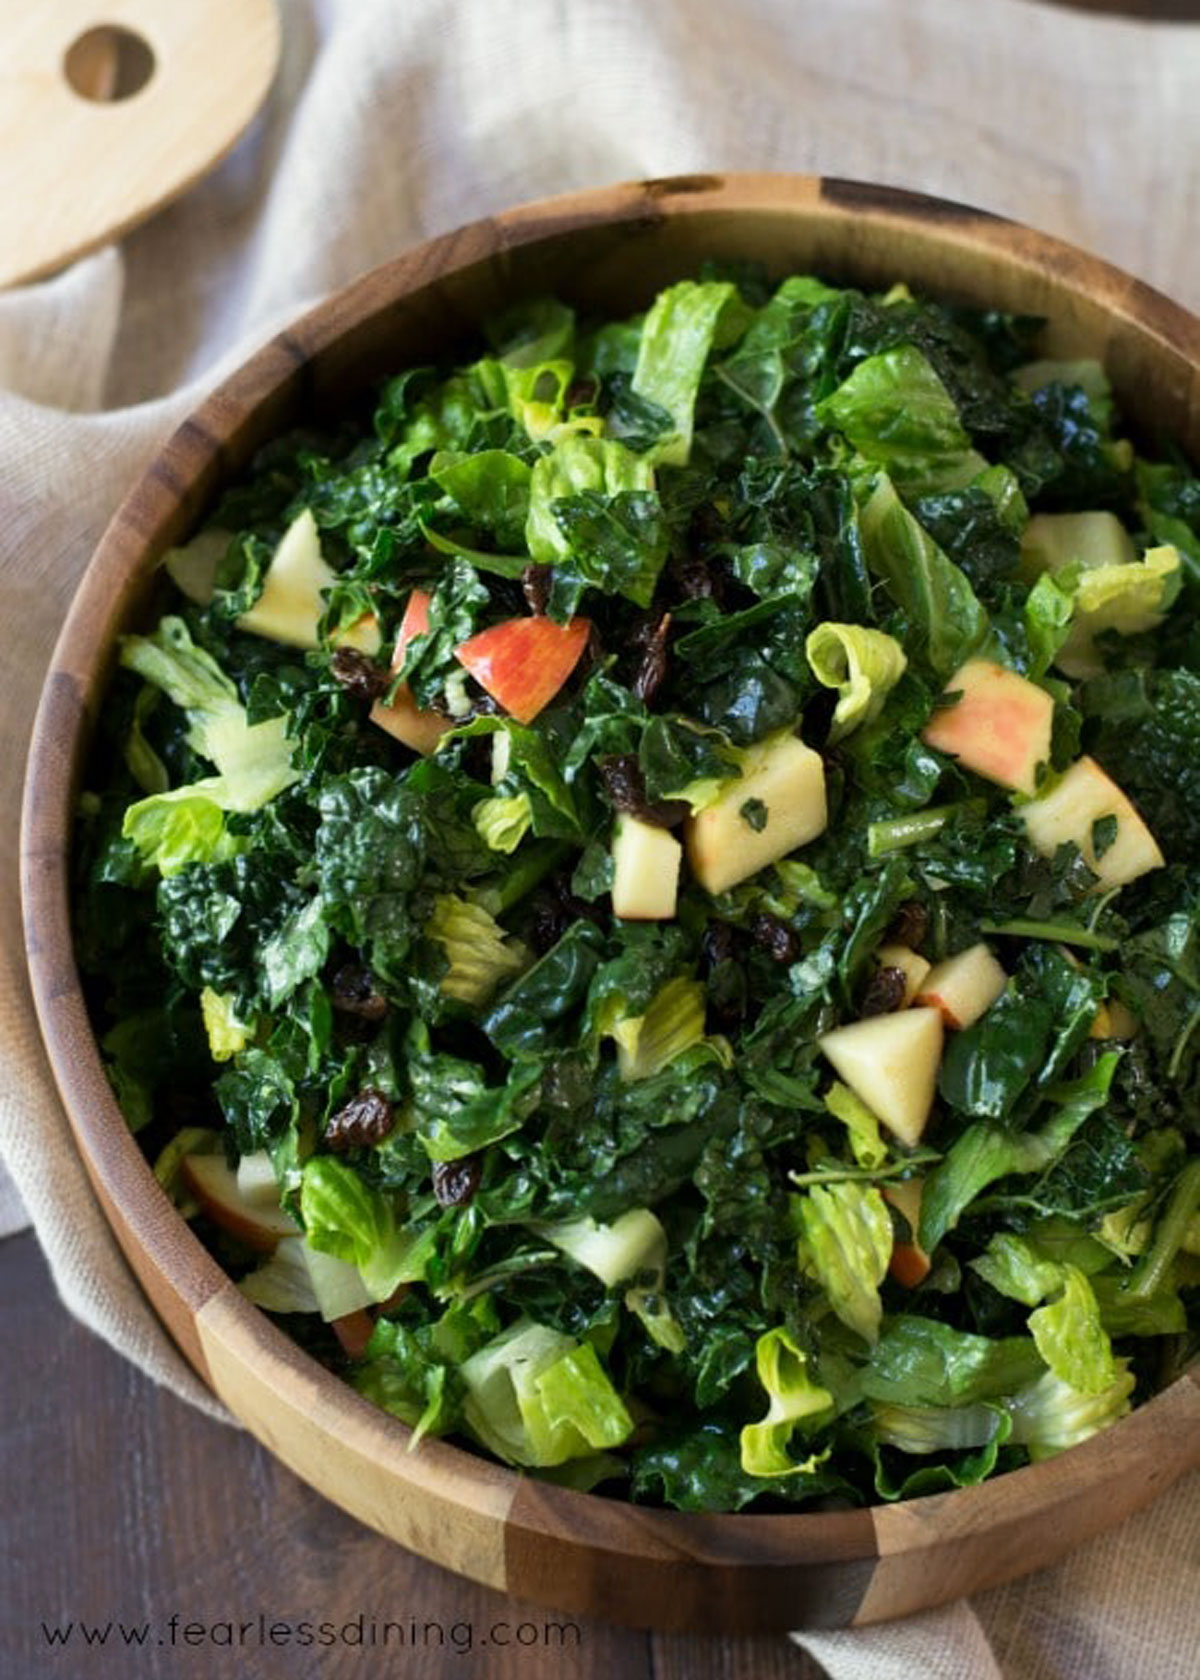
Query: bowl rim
540, 1521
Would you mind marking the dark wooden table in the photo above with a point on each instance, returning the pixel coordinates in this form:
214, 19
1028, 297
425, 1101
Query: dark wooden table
120, 1505
184, 1549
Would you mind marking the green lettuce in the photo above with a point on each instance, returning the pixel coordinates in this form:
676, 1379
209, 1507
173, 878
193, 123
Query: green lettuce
634, 1246
345, 1217
595, 516
535, 1397
685, 323
863, 665
253, 761
898, 414
502, 822
227, 1032
1051, 1414
846, 1244
796, 1401
1126, 600
672, 1024
481, 956
946, 621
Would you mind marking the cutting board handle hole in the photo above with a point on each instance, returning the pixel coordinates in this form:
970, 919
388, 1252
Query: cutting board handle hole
108, 63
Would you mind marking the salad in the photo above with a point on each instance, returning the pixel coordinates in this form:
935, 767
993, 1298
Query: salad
643, 894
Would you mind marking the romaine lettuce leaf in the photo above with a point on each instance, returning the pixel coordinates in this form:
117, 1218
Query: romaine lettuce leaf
795, 1401
1050, 1415
863, 665
685, 323
846, 1244
946, 621
536, 1397
480, 954
672, 1024
897, 413
254, 761
345, 1217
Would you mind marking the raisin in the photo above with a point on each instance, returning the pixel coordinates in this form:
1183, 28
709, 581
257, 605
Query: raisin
365, 1119
476, 758
547, 923
361, 677
455, 1182
775, 937
909, 925
718, 945
353, 992
621, 776
885, 992
725, 980
625, 790
536, 583
694, 579
650, 638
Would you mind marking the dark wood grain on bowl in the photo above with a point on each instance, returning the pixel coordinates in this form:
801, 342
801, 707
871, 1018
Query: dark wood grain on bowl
608, 251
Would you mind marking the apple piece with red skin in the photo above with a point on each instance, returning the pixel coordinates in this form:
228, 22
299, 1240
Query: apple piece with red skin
1084, 796
523, 662
354, 1331
999, 726
411, 724
891, 1063
909, 1265
215, 1186
964, 987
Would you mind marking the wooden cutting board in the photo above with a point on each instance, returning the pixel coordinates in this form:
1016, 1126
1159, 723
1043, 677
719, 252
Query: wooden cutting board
109, 110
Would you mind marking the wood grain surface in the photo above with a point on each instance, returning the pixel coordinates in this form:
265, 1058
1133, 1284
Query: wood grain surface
608, 250
121, 1504
84, 155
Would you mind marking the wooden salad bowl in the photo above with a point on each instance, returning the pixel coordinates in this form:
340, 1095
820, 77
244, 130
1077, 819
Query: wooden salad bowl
608, 250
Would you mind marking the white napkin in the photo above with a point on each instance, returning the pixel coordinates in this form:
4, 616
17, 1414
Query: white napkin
390, 123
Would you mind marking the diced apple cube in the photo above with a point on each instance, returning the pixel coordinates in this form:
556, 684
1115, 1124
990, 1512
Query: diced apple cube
911, 964
215, 1186
193, 567
409, 723
292, 601
1053, 540
646, 864
909, 1265
963, 987
413, 725
256, 1179
1084, 796
524, 662
777, 804
999, 726
1113, 1019
363, 635
891, 1062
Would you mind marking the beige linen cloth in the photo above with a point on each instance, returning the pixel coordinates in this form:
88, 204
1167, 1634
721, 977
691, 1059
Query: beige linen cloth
396, 119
